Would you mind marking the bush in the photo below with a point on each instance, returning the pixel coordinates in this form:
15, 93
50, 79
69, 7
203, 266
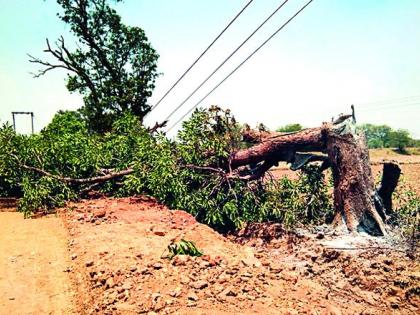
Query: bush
406, 214
290, 128
185, 173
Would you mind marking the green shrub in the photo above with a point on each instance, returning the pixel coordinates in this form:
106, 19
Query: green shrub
406, 215
186, 173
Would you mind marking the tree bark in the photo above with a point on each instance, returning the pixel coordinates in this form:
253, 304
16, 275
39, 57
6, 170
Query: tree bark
390, 176
353, 181
348, 156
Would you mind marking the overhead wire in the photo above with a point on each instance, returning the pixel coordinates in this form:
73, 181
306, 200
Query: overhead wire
224, 61
200, 56
389, 106
392, 100
241, 64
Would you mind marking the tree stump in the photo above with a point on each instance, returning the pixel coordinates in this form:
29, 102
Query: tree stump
353, 181
348, 156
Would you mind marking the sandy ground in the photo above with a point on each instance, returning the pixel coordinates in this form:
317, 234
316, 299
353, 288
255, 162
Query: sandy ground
33, 257
117, 246
104, 256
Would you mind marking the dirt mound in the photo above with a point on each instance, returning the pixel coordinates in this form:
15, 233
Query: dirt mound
117, 247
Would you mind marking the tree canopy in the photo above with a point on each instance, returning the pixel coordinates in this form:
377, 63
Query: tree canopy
383, 136
290, 128
114, 66
399, 139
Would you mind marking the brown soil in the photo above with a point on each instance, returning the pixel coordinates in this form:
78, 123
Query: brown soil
105, 257
117, 244
33, 256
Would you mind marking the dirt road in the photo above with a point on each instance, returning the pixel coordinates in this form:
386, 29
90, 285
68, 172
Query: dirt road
33, 257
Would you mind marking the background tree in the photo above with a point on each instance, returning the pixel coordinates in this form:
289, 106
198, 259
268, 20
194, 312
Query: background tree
399, 139
290, 128
377, 135
113, 66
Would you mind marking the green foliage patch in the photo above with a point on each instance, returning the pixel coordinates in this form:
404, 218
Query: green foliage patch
383, 136
183, 247
114, 67
186, 173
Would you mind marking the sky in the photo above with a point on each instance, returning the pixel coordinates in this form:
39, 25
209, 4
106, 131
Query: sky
334, 54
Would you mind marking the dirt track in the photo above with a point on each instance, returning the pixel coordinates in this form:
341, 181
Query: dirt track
108, 250
119, 242
33, 260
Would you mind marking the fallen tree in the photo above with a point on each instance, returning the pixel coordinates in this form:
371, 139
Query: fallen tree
346, 154
204, 171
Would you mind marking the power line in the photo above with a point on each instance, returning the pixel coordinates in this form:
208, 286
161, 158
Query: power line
392, 100
241, 64
224, 61
389, 106
201, 55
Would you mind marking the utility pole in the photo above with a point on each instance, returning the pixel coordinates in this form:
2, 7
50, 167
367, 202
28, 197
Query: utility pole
23, 113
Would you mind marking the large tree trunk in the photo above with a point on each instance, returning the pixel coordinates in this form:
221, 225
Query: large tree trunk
348, 157
353, 181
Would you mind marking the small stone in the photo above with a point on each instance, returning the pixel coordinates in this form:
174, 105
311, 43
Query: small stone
73, 257
121, 296
199, 285
89, 263
320, 236
160, 305
176, 292
180, 260
125, 307
157, 266
228, 292
276, 267
155, 296
192, 296
204, 264
251, 262
185, 280
119, 289
11, 298
112, 297
247, 275
145, 271
99, 213
159, 232
133, 268
98, 222
109, 283
394, 302
126, 286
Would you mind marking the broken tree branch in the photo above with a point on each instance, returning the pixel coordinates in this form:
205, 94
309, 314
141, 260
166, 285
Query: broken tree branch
79, 181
